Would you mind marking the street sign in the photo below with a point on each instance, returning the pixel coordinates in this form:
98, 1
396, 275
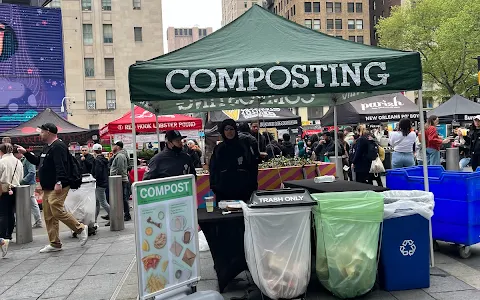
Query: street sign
166, 234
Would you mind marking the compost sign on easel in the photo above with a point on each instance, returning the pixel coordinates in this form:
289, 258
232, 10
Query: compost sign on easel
166, 234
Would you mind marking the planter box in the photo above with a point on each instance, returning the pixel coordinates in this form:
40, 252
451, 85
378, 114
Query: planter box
309, 171
271, 179
326, 169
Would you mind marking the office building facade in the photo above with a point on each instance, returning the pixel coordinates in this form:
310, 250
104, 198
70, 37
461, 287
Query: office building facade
180, 37
232, 9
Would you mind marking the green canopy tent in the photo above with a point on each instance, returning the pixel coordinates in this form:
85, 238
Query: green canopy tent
264, 60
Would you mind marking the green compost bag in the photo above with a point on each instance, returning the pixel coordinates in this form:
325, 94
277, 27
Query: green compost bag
347, 228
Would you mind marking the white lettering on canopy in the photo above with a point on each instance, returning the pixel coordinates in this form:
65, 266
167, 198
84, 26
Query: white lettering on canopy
351, 73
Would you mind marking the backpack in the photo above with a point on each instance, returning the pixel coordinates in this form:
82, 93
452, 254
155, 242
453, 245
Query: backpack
372, 152
75, 172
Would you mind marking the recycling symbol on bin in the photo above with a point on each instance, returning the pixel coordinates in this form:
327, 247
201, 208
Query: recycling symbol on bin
408, 248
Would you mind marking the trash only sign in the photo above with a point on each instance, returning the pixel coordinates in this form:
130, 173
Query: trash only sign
167, 245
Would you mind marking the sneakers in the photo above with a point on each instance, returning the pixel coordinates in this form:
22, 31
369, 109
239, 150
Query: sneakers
50, 248
107, 224
83, 236
37, 225
106, 217
127, 218
5, 247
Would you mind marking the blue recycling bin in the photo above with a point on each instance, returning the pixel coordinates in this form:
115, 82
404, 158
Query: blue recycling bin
405, 254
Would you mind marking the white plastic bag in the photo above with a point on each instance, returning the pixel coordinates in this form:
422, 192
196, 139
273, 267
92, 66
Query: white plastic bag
406, 203
377, 166
81, 203
279, 260
202, 241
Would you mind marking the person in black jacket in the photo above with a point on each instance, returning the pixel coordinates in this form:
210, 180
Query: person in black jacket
233, 169
100, 173
474, 136
361, 162
54, 173
86, 160
262, 142
288, 149
172, 161
324, 146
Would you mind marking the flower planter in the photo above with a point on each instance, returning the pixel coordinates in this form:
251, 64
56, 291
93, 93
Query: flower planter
326, 169
309, 171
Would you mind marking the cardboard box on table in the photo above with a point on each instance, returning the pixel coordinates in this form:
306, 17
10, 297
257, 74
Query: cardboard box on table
269, 179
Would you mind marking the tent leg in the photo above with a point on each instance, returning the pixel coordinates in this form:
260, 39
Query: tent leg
338, 160
134, 140
425, 167
157, 130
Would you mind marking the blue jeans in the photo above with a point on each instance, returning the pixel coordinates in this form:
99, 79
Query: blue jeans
464, 162
402, 160
433, 157
101, 201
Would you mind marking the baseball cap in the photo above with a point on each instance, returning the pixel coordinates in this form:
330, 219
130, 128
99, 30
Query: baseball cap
50, 127
172, 135
477, 117
119, 144
97, 147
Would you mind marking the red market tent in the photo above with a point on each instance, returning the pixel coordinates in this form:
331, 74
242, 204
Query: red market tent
145, 123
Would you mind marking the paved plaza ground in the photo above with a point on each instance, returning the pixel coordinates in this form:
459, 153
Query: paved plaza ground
105, 269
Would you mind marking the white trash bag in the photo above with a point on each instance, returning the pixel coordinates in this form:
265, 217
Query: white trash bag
406, 203
202, 241
81, 203
279, 260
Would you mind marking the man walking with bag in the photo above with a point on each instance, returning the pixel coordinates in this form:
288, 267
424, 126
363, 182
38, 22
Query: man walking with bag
55, 173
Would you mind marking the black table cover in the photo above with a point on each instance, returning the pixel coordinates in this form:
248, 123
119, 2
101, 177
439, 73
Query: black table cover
330, 187
224, 234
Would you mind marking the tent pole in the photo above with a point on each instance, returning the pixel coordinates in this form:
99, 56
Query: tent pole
157, 130
338, 160
134, 141
425, 167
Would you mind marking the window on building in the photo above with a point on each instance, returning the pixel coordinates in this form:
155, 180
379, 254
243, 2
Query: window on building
351, 7
329, 7
351, 24
107, 33
308, 23
109, 67
338, 23
359, 24
294, 10
190, 32
316, 7
107, 5
374, 19
86, 5
351, 38
338, 7
185, 31
329, 24
339, 37
111, 99
314, 113
89, 67
360, 39
93, 126
137, 4
137, 33
308, 7
317, 25
291, 11
87, 34
359, 7
374, 5
176, 31
55, 4
245, 4
204, 32
91, 99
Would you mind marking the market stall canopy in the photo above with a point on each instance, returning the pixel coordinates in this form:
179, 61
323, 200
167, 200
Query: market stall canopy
269, 117
145, 123
263, 59
456, 108
27, 134
378, 109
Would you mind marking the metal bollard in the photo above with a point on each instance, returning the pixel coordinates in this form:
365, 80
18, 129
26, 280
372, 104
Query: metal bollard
23, 210
116, 203
338, 167
453, 159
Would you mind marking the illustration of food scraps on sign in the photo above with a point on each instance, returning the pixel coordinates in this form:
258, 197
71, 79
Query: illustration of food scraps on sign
182, 247
155, 256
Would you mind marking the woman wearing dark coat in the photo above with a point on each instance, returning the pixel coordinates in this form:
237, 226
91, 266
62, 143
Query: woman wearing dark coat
361, 164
